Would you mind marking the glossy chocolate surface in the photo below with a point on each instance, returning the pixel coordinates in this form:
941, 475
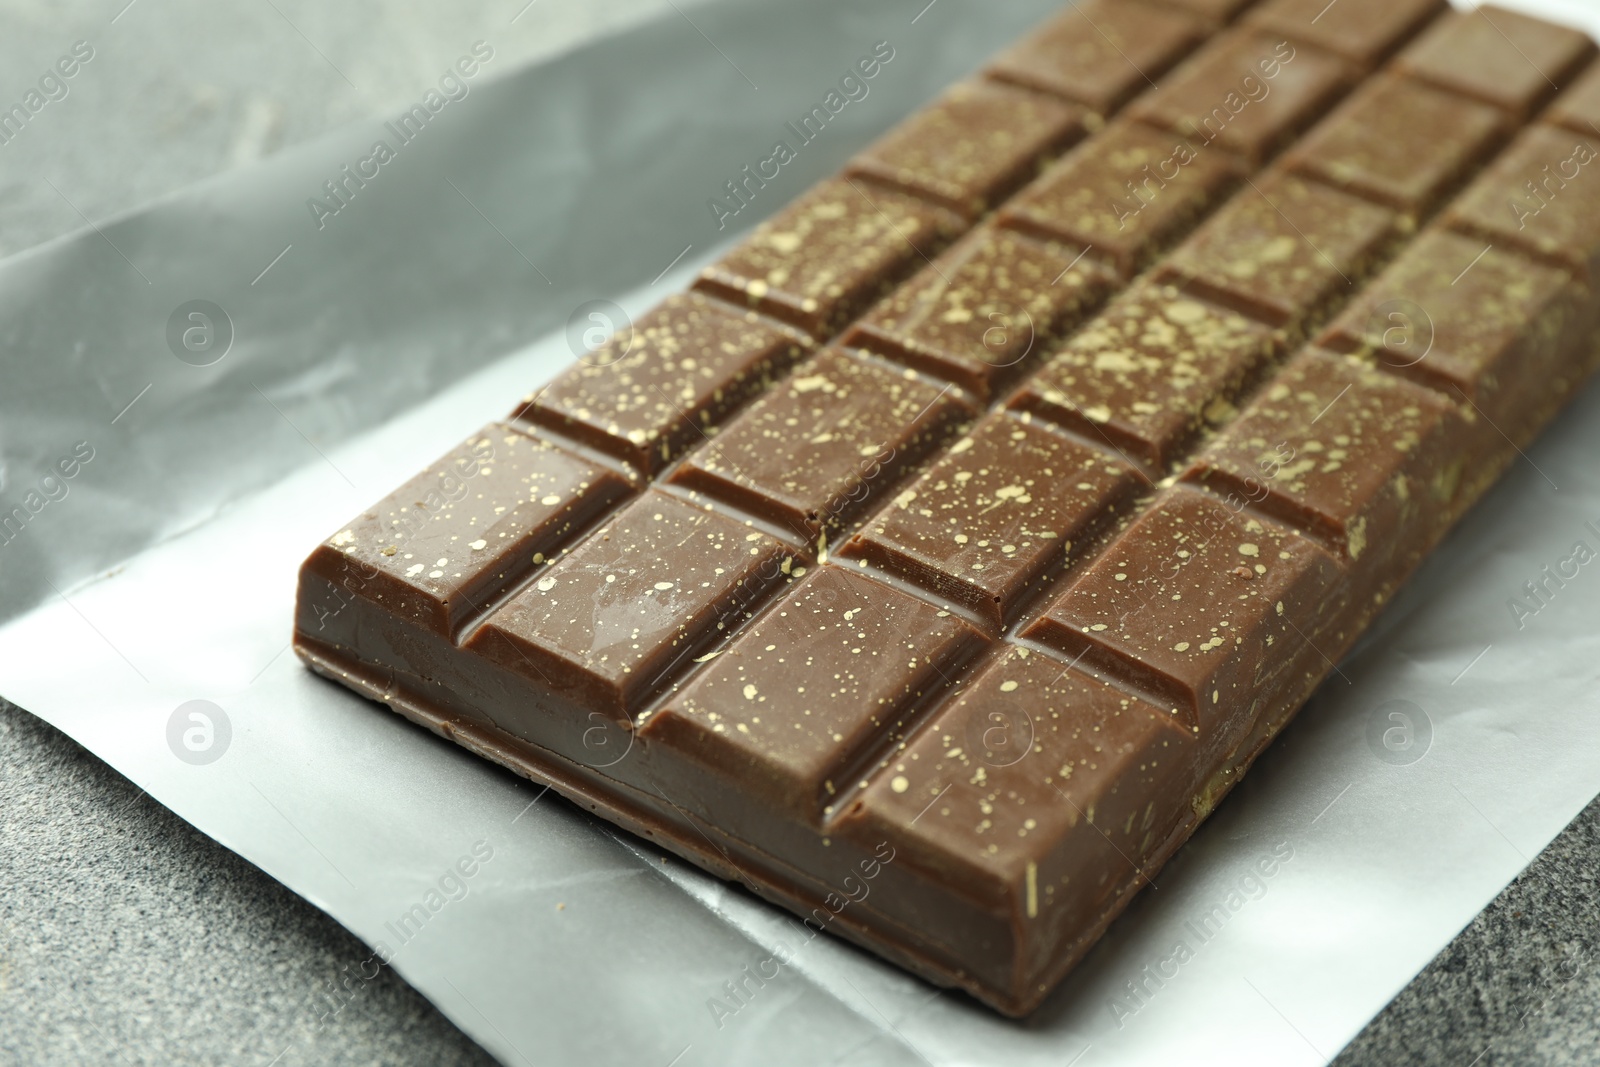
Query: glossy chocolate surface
1401, 142
1100, 53
1341, 450
973, 146
1578, 109
812, 453
987, 309
642, 595
1283, 250
1189, 604
666, 382
1248, 95
793, 708
819, 262
1542, 195
1215, 12
443, 545
1504, 58
1362, 31
1125, 196
1000, 512
1458, 313
1146, 375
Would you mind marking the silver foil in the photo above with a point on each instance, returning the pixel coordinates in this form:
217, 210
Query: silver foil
1457, 741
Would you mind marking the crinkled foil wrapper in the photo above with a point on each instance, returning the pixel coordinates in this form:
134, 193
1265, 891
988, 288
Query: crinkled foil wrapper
338, 352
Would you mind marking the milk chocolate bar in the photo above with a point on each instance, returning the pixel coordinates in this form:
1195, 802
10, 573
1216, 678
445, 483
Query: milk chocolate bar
938, 562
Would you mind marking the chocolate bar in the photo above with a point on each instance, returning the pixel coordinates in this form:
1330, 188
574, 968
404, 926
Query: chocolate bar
938, 562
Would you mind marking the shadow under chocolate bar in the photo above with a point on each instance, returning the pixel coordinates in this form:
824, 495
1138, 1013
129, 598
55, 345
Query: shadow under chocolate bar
937, 563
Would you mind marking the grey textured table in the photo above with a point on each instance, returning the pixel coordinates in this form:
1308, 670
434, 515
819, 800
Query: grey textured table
128, 937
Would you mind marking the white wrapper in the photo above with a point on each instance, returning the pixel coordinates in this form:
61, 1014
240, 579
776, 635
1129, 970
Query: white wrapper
1424, 775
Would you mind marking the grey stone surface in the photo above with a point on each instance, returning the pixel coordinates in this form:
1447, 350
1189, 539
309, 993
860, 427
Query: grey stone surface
1520, 985
127, 937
